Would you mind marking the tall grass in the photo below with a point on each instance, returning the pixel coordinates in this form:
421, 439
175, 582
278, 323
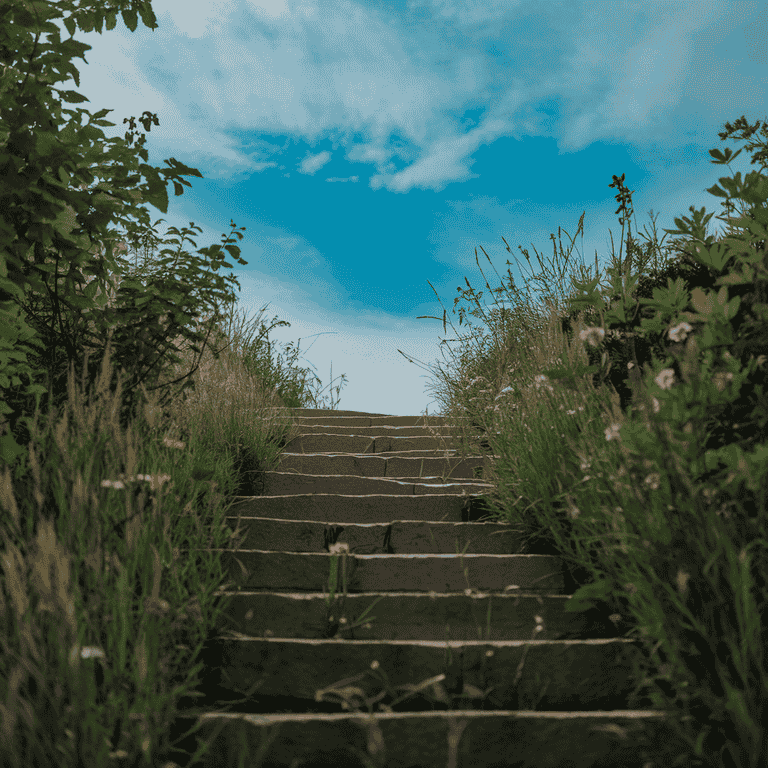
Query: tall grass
100, 617
634, 523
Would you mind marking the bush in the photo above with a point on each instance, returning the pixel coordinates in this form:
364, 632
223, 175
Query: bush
47, 317
699, 345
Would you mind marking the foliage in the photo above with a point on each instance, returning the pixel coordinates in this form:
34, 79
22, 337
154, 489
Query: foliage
656, 501
741, 415
706, 393
641, 464
104, 626
47, 317
626, 348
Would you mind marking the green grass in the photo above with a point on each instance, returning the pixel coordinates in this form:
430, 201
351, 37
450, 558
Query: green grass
99, 613
91, 539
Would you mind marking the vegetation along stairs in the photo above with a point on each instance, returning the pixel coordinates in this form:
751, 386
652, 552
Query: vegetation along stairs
468, 633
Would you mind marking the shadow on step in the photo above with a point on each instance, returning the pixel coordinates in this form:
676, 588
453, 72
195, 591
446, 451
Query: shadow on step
210, 695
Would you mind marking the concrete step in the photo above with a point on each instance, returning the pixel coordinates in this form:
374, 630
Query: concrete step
472, 633
367, 538
287, 483
464, 739
391, 465
517, 615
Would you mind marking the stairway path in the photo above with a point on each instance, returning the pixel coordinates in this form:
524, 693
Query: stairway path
437, 599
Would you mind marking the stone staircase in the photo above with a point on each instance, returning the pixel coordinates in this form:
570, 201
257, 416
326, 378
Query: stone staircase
468, 633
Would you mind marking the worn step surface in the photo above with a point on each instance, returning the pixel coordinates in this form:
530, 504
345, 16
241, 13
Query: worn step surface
472, 636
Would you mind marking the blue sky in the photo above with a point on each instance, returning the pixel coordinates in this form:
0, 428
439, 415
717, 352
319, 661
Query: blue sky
370, 146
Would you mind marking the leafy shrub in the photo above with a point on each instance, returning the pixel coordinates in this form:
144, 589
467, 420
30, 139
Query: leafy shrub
701, 425
628, 351
46, 315
635, 333
623, 343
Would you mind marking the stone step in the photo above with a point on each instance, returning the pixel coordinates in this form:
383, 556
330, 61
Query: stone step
309, 416
557, 675
330, 442
437, 597
516, 615
391, 465
287, 483
383, 430
369, 508
459, 739
258, 570
429, 537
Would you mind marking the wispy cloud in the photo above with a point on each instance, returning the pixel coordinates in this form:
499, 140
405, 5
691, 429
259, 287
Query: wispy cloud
371, 146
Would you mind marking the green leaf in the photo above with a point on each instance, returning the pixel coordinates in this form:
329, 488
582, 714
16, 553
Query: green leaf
715, 257
90, 290
582, 599
45, 170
